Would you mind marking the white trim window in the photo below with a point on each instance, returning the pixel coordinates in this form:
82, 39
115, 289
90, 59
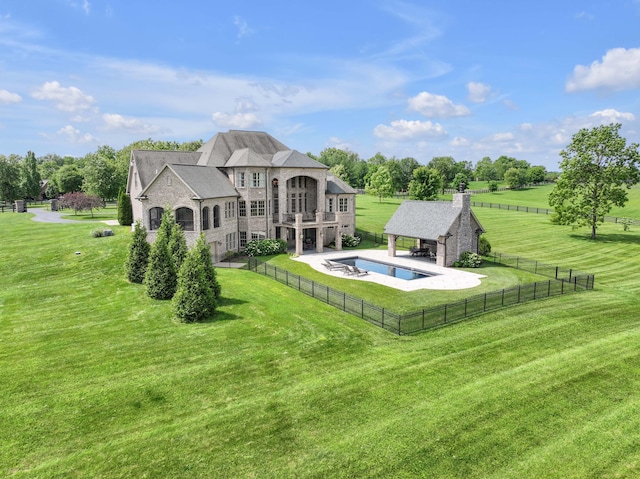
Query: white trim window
257, 180
257, 208
241, 180
343, 205
230, 209
230, 240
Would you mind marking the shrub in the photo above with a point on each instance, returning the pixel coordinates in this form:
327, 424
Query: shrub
265, 247
161, 276
469, 259
484, 247
138, 258
97, 233
626, 223
177, 245
349, 241
493, 186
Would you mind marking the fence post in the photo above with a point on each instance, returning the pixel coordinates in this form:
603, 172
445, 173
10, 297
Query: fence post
445, 314
549, 289
382, 318
502, 297
535, 287
557, 272
362, 308
465, 307
344, 301
484, 307
518, 293
422, 318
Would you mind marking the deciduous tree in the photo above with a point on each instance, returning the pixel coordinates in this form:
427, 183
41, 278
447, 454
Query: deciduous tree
598, 167
29, 176
425, 185
380, 184
9, 179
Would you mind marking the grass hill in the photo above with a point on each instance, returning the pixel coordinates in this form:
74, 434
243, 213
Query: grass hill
97, 381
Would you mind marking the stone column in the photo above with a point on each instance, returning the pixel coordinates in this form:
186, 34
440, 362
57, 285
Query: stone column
319, 231
391, 245
299, 234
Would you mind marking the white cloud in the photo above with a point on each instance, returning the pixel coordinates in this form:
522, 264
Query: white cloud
7, 98
76, 136
613, 116
459, 142
113, 121
619, 70
403, 130
243, 27
236, 121
507, 136
84, 5
478, 92
69, 99
436, 106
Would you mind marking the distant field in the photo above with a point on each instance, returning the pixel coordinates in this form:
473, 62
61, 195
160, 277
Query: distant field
97, 381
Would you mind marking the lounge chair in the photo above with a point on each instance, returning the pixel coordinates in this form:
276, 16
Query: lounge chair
355, 271
332, 266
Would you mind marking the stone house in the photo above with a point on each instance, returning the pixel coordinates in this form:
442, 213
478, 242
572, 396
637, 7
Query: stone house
443, 230
240, 186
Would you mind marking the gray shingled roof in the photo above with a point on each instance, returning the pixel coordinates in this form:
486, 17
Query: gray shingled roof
246, 157
150, 162
295, 159
203, 181
422, 219
335, 186
219, 149
206, 182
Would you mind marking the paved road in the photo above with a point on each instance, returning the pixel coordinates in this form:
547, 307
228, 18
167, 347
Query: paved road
46, 216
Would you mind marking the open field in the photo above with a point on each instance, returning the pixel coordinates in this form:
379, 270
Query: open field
99, 382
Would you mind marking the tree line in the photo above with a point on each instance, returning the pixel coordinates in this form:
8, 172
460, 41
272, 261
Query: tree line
101, 174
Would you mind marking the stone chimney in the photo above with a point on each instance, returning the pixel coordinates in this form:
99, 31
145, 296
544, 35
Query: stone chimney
465, 232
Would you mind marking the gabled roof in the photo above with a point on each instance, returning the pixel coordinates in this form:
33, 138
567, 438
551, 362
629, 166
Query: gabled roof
295, 159
422, 219
149, 163
204, 182
246, 157
218, 150
335, 186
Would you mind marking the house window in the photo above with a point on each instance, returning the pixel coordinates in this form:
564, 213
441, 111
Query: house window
216, 216
257, 180
230, 209
330, 205
240, 180
343, 205
243, 239
205, 218
259, 235
242, 208
155, 218
257, 208
230, 240
184, 217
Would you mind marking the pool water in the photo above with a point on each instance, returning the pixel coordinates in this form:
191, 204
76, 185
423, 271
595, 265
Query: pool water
385, 268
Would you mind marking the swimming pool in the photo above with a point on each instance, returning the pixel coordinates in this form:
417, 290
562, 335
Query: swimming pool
385, 268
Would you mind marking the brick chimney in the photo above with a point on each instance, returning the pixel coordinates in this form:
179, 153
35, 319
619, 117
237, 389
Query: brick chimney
465, 233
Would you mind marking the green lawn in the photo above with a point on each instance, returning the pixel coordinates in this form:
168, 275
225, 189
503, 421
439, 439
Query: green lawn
97, 381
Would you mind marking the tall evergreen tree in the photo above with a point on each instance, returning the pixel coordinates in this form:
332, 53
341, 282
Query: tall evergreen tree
125, 210
177, 245
161, 276
204, 251
194, 299
138, 254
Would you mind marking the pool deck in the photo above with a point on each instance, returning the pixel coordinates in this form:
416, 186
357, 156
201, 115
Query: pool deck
447, 279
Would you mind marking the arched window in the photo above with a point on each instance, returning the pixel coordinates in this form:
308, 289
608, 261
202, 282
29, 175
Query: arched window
205, 218
155, 217
184, 217
216, 216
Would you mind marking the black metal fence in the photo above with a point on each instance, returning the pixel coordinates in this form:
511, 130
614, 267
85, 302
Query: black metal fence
547, 211
562, 281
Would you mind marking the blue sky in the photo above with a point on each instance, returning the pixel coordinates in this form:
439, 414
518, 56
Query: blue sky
426, 78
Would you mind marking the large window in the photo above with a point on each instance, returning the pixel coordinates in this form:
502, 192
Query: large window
330, 207
184, 217
343, 205
216, 216
205, 218
257, 180
155, 217
257, 208
240, 180
230, 209
242, 208
230, 240
243, 239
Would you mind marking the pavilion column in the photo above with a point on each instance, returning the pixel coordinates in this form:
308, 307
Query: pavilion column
299, 234
391, 245
319, 231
